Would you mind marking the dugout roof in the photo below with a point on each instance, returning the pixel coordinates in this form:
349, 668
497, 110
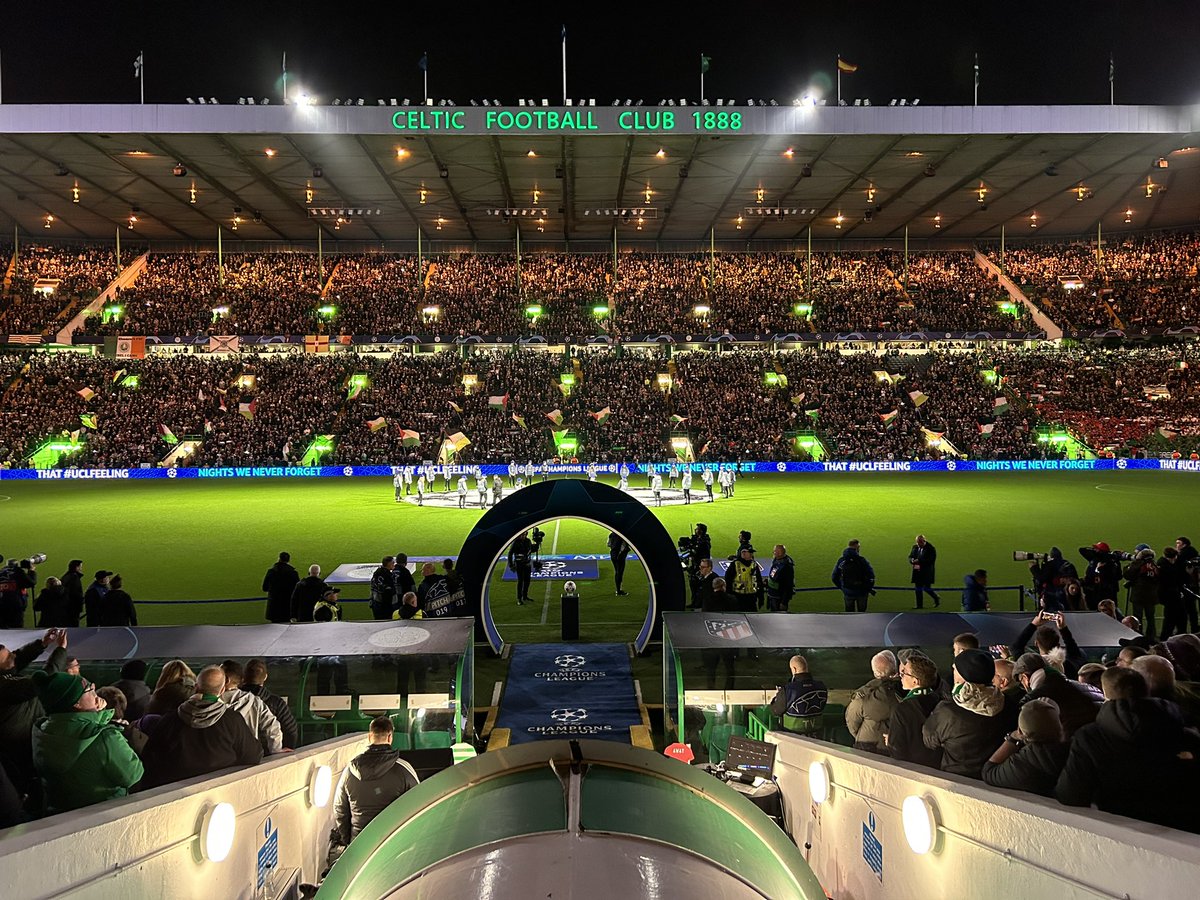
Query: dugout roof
593, 161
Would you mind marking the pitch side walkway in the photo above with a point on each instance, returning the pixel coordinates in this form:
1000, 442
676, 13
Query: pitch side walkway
557, 691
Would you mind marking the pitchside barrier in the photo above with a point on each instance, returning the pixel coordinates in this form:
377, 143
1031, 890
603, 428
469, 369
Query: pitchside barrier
761, 467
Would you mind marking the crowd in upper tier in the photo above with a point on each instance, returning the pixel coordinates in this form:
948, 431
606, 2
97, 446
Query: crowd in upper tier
244, 409
556, 295
1131, 283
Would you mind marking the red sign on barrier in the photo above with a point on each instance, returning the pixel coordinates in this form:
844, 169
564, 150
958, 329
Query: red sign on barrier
681, 752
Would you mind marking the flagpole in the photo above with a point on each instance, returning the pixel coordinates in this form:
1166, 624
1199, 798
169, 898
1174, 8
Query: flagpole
285, 78
220, 263
142, 73
320, 258
839, 77
976, 79
702, 77
425, 71
1111, 81
564, 60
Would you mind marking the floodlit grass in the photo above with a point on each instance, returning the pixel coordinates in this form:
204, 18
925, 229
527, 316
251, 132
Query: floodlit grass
190, 540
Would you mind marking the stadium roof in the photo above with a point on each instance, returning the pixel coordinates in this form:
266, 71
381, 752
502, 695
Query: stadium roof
452, 171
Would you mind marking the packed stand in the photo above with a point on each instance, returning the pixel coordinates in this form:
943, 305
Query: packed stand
1136, 282
83, 271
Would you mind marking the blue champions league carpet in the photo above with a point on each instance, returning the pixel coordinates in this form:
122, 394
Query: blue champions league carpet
557, 691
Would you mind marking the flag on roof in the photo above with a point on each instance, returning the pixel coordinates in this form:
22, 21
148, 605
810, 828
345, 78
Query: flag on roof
167, 434
555, 416
1001, 406
917, 397
86, 393
705, 62
88, 420
846, 67
247, 409
409, 438
601, 416
376, 423
889, 419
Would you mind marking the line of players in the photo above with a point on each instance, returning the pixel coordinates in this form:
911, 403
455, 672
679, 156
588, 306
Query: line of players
424, 479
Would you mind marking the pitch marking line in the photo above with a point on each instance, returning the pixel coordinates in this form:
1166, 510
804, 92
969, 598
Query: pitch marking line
549, 583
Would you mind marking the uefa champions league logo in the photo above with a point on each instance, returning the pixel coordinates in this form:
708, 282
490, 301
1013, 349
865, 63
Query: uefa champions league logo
171, 473
570, 661
568, 716
347, 471
951, 465
1121, 464
782, 467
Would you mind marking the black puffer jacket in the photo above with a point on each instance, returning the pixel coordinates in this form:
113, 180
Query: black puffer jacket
20, 708
1077, 703
968, 728
371, 782
1034, 768
904, 731
1130, 741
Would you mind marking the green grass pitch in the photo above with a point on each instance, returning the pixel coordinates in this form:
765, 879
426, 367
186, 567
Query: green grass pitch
189, 540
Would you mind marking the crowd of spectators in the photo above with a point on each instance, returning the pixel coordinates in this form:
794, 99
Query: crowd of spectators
81, 270
619, 404
1135, 282
1114, 399
67, 742
1041, 719
491, 293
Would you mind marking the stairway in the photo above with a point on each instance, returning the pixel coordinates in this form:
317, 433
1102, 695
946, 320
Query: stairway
127, 276
1044, 322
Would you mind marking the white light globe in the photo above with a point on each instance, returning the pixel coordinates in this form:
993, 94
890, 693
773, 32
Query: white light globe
818, 782
217, 832
920, 823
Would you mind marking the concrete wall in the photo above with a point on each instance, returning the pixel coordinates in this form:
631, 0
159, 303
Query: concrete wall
990, 843
148, 845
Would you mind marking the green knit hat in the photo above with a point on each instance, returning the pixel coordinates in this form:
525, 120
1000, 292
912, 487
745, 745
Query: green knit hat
58, 692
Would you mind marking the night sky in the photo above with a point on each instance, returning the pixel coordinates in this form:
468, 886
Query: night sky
1048, 52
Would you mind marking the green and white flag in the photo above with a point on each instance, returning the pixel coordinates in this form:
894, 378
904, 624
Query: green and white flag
1001, 406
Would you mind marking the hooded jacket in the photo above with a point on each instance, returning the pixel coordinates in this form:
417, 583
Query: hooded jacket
82, 759
1130, 741
202, 735
259, 718
870, 709
279, 708
372, 781
968, 728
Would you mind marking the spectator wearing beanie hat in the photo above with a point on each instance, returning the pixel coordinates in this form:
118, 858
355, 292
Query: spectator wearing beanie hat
80, 757
967, 727
1032, 757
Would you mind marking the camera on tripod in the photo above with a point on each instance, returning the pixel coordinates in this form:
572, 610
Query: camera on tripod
34, 559
536, 537
1027, 556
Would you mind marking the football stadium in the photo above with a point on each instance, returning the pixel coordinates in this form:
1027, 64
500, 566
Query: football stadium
472, 497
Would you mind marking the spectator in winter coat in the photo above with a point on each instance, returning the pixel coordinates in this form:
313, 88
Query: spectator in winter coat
1032, 757
307, 593
279, 582
373, 780
19, 704
132, 684
975, 595
176, 683
968, 727
53, 606
202, 735
1135, 734
116, 609
72, 582
918, 679
1077, 702
250, 707
254, 682
855, 577
1142, 576
871, 706
80, 756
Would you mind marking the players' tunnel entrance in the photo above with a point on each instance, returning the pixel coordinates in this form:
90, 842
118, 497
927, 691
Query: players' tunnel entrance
593, 502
